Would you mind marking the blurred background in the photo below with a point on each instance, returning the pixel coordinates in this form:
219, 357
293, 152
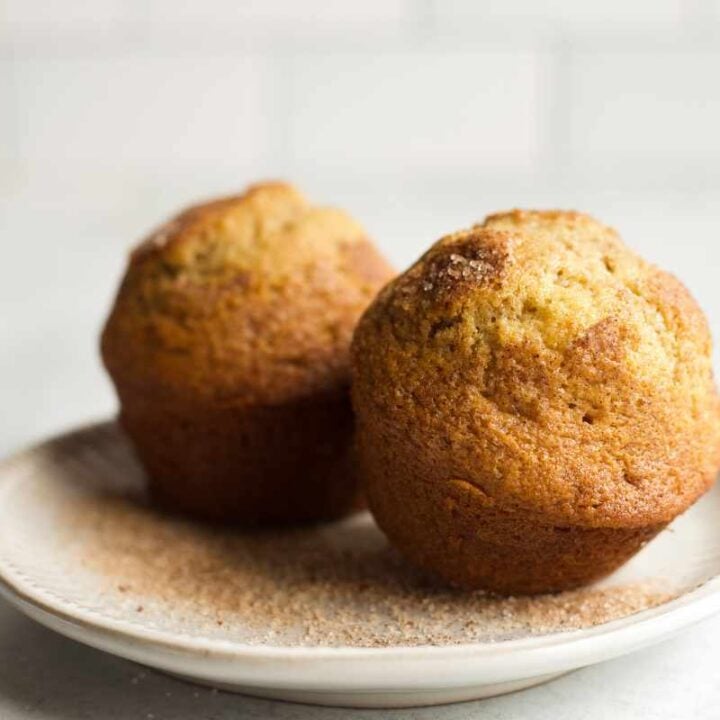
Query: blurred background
418, 116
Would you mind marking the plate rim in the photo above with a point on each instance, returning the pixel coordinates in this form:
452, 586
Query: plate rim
585, 645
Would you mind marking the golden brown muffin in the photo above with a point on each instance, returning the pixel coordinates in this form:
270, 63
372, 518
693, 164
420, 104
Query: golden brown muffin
229, 348
534, 403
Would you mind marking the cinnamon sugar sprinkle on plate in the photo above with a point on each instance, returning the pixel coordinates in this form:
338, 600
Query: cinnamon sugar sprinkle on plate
332, 585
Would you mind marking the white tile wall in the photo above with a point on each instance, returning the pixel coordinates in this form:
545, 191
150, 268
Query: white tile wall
9, 150
23, 20
416, 110
607, 17
139, 110
661, 110
419, 116
270, 18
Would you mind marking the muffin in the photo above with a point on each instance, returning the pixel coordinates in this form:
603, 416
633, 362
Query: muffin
228, 345
534, 403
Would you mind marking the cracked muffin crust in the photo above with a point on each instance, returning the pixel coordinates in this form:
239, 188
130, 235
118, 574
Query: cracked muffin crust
534, 402
229, 348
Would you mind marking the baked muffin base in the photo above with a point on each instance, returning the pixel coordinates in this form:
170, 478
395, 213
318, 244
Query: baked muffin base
249, 465
470, 542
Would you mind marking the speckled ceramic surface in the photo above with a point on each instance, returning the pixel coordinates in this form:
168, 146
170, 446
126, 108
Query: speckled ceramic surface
42, 572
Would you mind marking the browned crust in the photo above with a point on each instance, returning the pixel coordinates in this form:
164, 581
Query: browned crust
559, 377
469, 540
232, 321
520, 218
194, 220
254, 465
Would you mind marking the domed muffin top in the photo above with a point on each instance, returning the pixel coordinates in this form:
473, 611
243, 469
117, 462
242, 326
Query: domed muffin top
251, 298
548, 366
269, 231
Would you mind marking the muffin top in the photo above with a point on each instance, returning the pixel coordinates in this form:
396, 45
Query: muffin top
251, 298
271, 231
538, 359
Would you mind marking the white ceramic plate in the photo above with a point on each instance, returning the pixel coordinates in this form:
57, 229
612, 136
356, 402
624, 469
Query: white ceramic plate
37, 575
